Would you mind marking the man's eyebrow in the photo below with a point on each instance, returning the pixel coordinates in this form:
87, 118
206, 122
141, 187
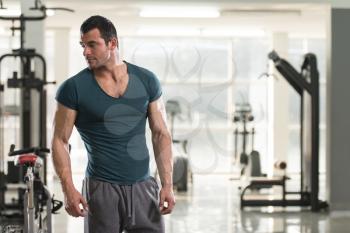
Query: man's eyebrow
91, 42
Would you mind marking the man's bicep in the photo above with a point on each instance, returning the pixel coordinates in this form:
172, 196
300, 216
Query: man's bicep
157, 115
64, 122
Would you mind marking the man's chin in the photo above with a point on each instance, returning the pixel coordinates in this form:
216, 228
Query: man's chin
91, 66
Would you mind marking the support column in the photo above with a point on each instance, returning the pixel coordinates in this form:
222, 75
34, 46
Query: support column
61, 42
338, 111
34, 38
278, 101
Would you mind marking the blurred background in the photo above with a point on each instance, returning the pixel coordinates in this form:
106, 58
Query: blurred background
225, 100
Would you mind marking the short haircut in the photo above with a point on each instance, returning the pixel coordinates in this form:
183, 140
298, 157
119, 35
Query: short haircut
104, 25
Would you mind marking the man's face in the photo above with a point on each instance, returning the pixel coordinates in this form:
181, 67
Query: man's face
96, 52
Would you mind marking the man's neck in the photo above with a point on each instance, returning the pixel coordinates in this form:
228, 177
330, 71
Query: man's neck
117, 71
114, 66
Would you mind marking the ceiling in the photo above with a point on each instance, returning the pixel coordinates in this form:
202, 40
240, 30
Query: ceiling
297, 19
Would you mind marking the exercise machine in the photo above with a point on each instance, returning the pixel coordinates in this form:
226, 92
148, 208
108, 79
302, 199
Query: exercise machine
306, 84
250, 163
37, 202
182, 174
242, 114
26, 78
2, 160
29, 77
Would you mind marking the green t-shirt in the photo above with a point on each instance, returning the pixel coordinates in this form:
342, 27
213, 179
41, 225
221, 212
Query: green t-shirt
113, 129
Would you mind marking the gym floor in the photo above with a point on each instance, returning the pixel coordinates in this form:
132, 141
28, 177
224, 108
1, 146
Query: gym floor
212, 205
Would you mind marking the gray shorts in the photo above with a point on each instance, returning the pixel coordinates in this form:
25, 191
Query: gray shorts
116, 208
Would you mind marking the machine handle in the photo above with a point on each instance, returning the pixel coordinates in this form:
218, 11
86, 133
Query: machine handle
35, 150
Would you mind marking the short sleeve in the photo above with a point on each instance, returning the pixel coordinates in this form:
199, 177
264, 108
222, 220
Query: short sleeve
67, 94
155, 88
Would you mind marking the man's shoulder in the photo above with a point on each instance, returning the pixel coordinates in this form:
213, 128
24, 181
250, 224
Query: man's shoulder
81, 74
76, 80
139, 71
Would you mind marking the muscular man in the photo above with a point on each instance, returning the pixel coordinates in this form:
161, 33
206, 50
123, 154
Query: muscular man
108, 103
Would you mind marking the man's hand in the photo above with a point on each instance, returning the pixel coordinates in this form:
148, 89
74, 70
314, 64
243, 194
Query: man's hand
73, 203
167, 200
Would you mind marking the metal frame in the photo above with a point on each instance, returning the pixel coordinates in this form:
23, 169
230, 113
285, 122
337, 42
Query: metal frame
302, 86
32, 158
26, 83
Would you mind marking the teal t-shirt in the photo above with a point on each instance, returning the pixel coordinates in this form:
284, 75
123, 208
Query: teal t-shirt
113, 129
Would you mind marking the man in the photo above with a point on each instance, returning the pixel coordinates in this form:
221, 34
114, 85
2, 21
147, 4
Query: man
108, 103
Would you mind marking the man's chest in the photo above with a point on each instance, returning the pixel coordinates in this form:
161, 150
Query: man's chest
113, 88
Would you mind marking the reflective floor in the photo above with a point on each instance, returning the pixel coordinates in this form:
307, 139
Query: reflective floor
212, 205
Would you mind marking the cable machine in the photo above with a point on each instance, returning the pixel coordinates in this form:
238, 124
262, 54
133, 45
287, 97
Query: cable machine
306, 84
26, 79
29, 77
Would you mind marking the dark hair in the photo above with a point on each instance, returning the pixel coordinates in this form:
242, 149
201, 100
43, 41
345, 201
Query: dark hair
104, 25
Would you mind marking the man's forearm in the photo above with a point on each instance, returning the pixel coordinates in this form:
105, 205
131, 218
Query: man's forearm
61, 161
162, 147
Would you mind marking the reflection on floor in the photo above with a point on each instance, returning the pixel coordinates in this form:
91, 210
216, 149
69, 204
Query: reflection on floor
212, 205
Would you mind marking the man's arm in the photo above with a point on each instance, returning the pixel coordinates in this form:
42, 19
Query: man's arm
162, 146
63, 126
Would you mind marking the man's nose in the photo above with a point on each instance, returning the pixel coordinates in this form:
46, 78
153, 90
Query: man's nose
86, 51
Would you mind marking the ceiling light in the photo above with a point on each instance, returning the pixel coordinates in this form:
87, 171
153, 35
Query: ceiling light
179, 12
265, 12
168, 31
234, 32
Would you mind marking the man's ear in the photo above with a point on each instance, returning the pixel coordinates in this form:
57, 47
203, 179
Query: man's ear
113, 43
